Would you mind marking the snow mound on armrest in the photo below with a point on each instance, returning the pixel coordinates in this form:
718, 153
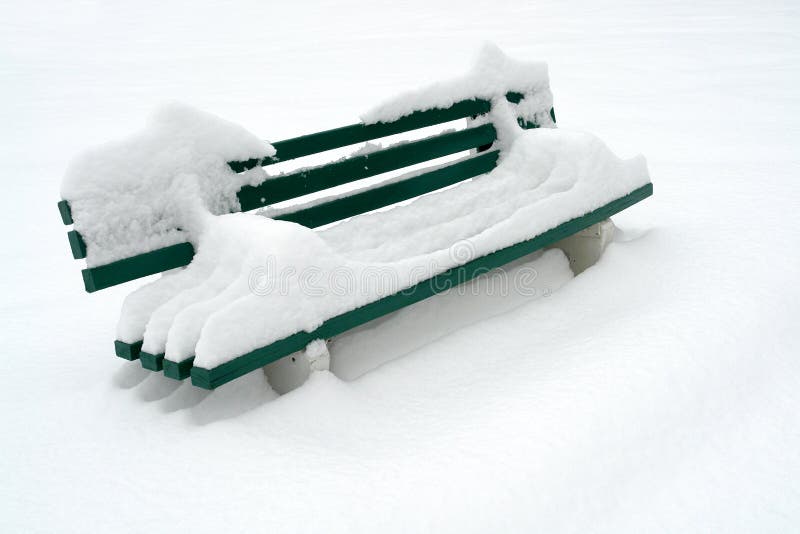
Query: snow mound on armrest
142, 193
492, 76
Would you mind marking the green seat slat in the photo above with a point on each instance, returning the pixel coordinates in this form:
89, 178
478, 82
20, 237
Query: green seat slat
360, 133
318, 178
128, 351
212, 378
514, 97
156, 261
178, 370
153, 362
392, 193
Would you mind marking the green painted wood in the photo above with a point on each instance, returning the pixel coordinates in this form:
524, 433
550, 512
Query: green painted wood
389, 194
178, 370
156, 261
355, 168
360, 133
215, 377
128, 351
76, 244
153, 362
65, 211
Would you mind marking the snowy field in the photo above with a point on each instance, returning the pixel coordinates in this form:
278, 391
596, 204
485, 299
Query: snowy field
659, 391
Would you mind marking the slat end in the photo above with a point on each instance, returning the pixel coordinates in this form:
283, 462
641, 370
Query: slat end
76, 244
88, 281
201, 378
178, 370
153, 362
65, 211
127, 351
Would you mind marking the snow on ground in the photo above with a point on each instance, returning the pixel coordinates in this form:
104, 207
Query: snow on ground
657, 391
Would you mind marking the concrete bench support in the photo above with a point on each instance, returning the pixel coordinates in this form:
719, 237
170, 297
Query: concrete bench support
585, 248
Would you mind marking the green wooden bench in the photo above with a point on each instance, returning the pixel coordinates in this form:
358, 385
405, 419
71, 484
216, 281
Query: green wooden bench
305, 181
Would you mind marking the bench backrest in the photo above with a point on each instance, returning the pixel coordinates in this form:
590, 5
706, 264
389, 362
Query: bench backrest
311, 180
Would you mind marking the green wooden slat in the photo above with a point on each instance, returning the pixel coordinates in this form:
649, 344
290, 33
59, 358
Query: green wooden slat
341, 172
389, 194
215, 377
178, 370
154, 362
156, 261
76, 244
360, 133
128, 351
65, 211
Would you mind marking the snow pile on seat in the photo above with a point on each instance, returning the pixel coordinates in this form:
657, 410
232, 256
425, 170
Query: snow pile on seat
140, 194
547, 177
492, 76
255, 280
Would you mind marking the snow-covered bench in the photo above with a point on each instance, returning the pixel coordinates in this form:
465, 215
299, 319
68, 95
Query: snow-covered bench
214, 321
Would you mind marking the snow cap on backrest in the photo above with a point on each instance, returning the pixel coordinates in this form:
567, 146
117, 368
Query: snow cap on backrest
144, 192
493, 75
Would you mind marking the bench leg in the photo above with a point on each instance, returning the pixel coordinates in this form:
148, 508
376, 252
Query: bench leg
585, 248
292, 371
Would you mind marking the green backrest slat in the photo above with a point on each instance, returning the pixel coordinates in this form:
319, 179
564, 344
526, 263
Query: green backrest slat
360, 133
76, 244
64, 210
319, 178
215, 377
156, 261
389, 194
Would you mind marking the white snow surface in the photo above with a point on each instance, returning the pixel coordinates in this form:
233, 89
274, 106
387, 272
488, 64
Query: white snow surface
658, 391
547, 177
143, 193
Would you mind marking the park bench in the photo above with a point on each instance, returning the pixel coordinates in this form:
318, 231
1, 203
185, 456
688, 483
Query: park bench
478, 137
